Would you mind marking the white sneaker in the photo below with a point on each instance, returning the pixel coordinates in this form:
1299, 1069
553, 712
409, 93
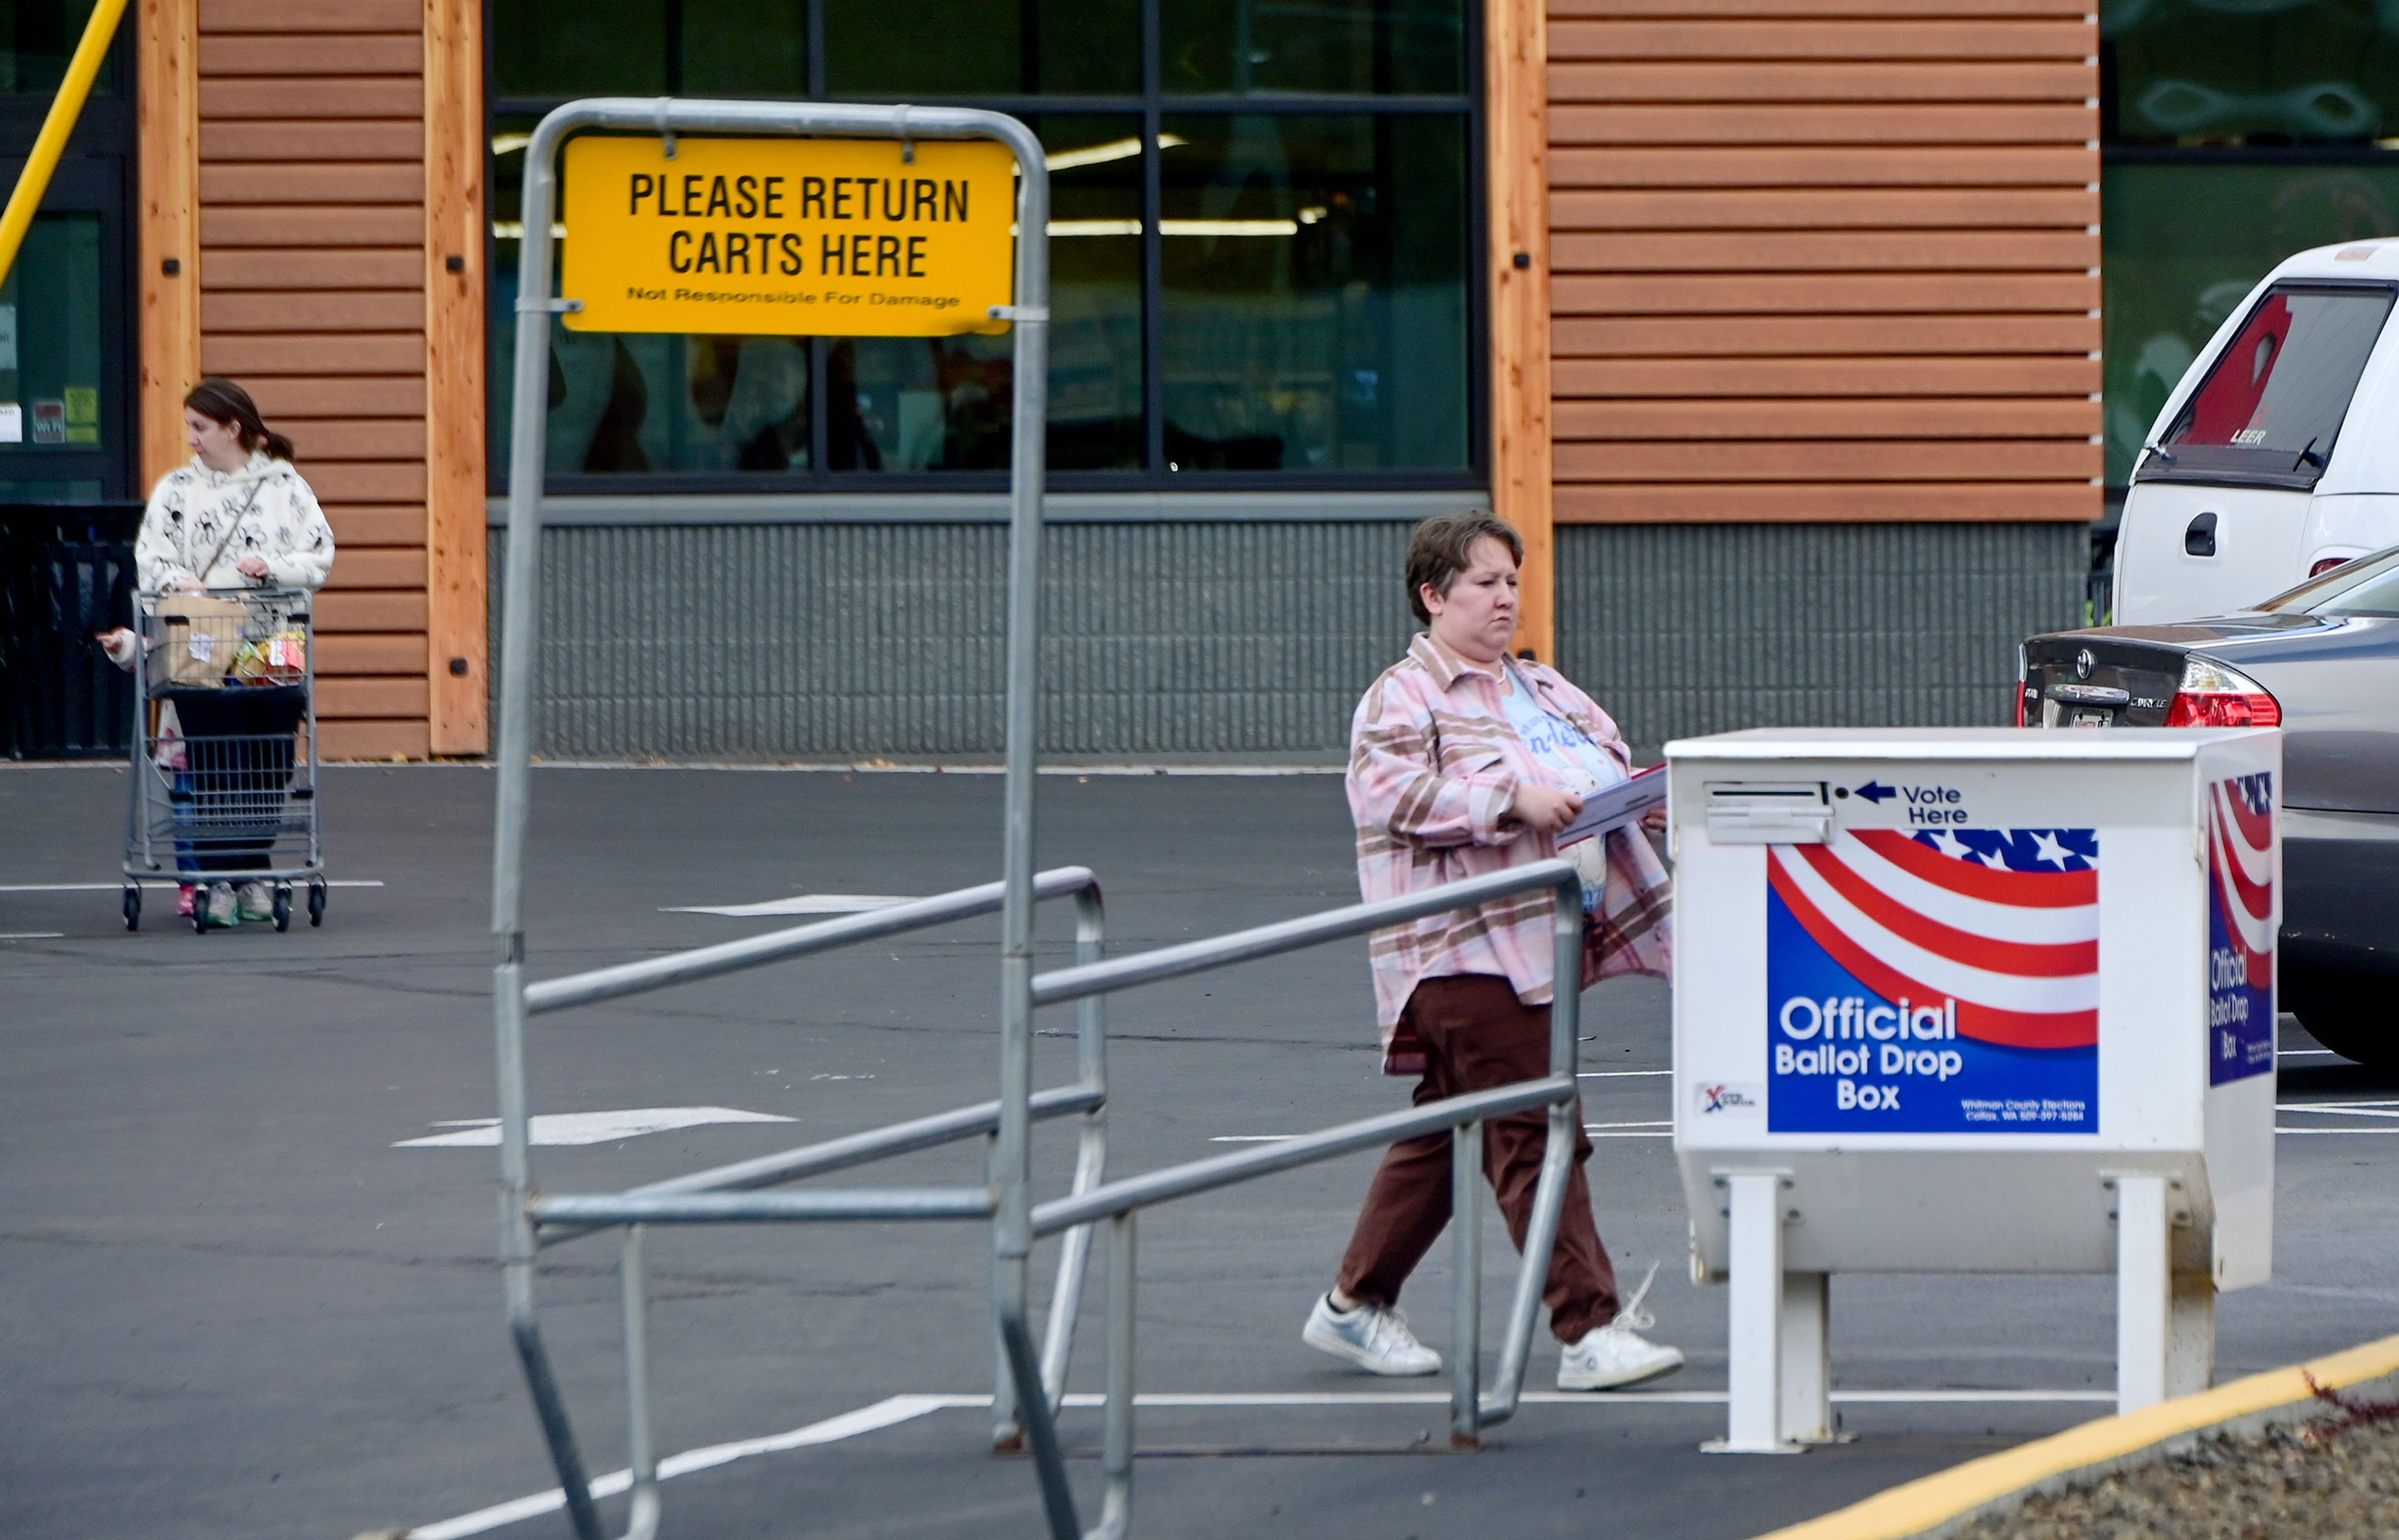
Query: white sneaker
223, 911
1374, 1337
1617, 1355
255, 900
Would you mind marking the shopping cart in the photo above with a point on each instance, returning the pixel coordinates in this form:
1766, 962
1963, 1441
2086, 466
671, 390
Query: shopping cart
225, 748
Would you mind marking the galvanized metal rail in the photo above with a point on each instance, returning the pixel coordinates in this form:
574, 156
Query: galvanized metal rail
1119, 1201
1031, 1379
530, 1219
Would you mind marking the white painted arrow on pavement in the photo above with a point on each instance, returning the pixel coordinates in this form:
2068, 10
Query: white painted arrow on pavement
586, 1128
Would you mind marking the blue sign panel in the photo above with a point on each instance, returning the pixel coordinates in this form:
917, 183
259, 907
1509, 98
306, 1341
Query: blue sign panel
1945, 982
2240, 929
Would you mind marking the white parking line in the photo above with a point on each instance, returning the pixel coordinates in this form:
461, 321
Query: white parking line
1617, 1075
849, 1424
894, 1410
2386, 1132
167, 880
802, 903
33, 934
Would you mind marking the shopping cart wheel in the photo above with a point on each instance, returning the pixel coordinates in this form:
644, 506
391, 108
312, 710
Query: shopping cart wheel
283, 906
132, 907
317, 903
200, 910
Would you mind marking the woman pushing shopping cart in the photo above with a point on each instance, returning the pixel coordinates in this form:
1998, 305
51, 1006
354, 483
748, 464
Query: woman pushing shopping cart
233, 547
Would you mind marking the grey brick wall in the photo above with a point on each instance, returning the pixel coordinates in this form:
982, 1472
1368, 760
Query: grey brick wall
1250, 639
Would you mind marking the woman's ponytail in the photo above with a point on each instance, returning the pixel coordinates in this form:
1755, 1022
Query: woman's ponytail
222, 400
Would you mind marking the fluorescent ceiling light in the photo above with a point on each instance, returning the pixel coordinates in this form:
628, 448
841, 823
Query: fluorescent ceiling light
509, 145
1100, 154
1228, 227
509, 229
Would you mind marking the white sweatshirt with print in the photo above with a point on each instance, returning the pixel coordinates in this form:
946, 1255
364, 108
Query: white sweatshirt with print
193, 506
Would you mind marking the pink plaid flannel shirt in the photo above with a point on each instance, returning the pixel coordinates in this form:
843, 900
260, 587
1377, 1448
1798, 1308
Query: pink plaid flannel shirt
1433, 765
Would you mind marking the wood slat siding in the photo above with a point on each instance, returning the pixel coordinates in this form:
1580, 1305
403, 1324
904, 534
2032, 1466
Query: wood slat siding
1823, 259
312, 293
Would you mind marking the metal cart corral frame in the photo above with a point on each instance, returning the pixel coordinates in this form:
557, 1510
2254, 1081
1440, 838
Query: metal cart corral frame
1031, 1379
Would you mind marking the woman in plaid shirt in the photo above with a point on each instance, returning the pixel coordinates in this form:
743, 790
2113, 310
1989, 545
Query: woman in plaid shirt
1464, 761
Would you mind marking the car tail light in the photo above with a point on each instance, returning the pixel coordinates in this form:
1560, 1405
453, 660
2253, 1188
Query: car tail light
2327, 564
2214, 695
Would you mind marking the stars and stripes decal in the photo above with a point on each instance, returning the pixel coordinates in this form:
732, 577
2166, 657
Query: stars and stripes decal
2241, 927
2003, 922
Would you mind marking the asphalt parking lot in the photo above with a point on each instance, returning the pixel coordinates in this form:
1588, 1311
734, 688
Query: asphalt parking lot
247, 1285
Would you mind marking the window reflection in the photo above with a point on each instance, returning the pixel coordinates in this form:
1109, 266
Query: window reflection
1315, 293
943, 403
2185, 245
49, 337
983, 48
1311, 46
2195, 72
579, 48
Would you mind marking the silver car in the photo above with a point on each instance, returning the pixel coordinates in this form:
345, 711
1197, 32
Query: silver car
2321, 660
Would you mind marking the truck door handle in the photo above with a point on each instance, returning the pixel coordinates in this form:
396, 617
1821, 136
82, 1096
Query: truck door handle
2200, 539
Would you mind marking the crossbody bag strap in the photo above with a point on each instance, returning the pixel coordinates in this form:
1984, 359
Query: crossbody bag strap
239, 514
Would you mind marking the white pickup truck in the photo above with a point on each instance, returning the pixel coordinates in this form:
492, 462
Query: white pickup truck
2277, 455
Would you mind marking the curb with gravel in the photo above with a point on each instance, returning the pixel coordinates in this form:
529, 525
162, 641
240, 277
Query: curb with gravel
1942, 1504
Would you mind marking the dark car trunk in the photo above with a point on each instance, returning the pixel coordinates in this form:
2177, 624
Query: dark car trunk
2085, 681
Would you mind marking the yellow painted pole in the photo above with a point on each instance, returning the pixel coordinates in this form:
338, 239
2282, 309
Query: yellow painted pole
52, 141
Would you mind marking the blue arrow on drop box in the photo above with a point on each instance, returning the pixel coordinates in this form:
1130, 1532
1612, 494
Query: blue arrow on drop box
1875, 792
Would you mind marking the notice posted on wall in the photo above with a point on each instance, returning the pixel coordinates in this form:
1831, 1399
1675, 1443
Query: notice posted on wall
2240, 929
12, 423
1935, 981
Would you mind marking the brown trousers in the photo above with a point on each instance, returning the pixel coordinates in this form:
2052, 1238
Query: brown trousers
1477, 1037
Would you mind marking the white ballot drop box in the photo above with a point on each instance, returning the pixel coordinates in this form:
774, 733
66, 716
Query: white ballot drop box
1974, 1000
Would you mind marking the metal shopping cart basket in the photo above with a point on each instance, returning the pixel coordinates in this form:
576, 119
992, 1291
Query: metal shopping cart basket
225, 748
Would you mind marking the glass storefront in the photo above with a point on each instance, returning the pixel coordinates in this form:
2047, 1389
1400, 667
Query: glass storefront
1263, 263
2235, 134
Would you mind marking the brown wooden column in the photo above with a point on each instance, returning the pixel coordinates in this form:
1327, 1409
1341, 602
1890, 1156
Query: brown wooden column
313, 224
167, 98
456, 594
1517, 128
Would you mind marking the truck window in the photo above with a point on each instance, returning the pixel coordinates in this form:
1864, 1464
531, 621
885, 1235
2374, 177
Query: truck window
2272, 404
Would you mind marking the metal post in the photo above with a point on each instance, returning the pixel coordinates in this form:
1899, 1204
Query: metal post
1091, 1150
2144, 1284
1557, 1154
1466, 1289
641, 1450
2190, 1333
518, 638
1013, 1227
1753, 1399
1807, 1366
1116, 1508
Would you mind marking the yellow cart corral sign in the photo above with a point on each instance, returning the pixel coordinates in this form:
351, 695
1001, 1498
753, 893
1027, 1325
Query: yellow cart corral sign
801, 236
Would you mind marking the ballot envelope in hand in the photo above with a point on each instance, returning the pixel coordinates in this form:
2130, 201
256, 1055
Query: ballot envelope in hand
1617, 805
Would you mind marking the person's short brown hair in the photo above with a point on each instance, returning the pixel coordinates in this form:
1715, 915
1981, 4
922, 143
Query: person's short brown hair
1443, 546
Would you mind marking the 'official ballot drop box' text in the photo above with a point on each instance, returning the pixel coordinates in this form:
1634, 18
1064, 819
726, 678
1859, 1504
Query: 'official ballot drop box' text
1974, 1000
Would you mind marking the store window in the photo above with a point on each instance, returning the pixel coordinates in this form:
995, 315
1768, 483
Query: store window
2234, 135
1263, 233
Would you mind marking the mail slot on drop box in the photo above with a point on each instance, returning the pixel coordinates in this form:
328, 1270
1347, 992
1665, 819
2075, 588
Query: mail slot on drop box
1974, 1000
